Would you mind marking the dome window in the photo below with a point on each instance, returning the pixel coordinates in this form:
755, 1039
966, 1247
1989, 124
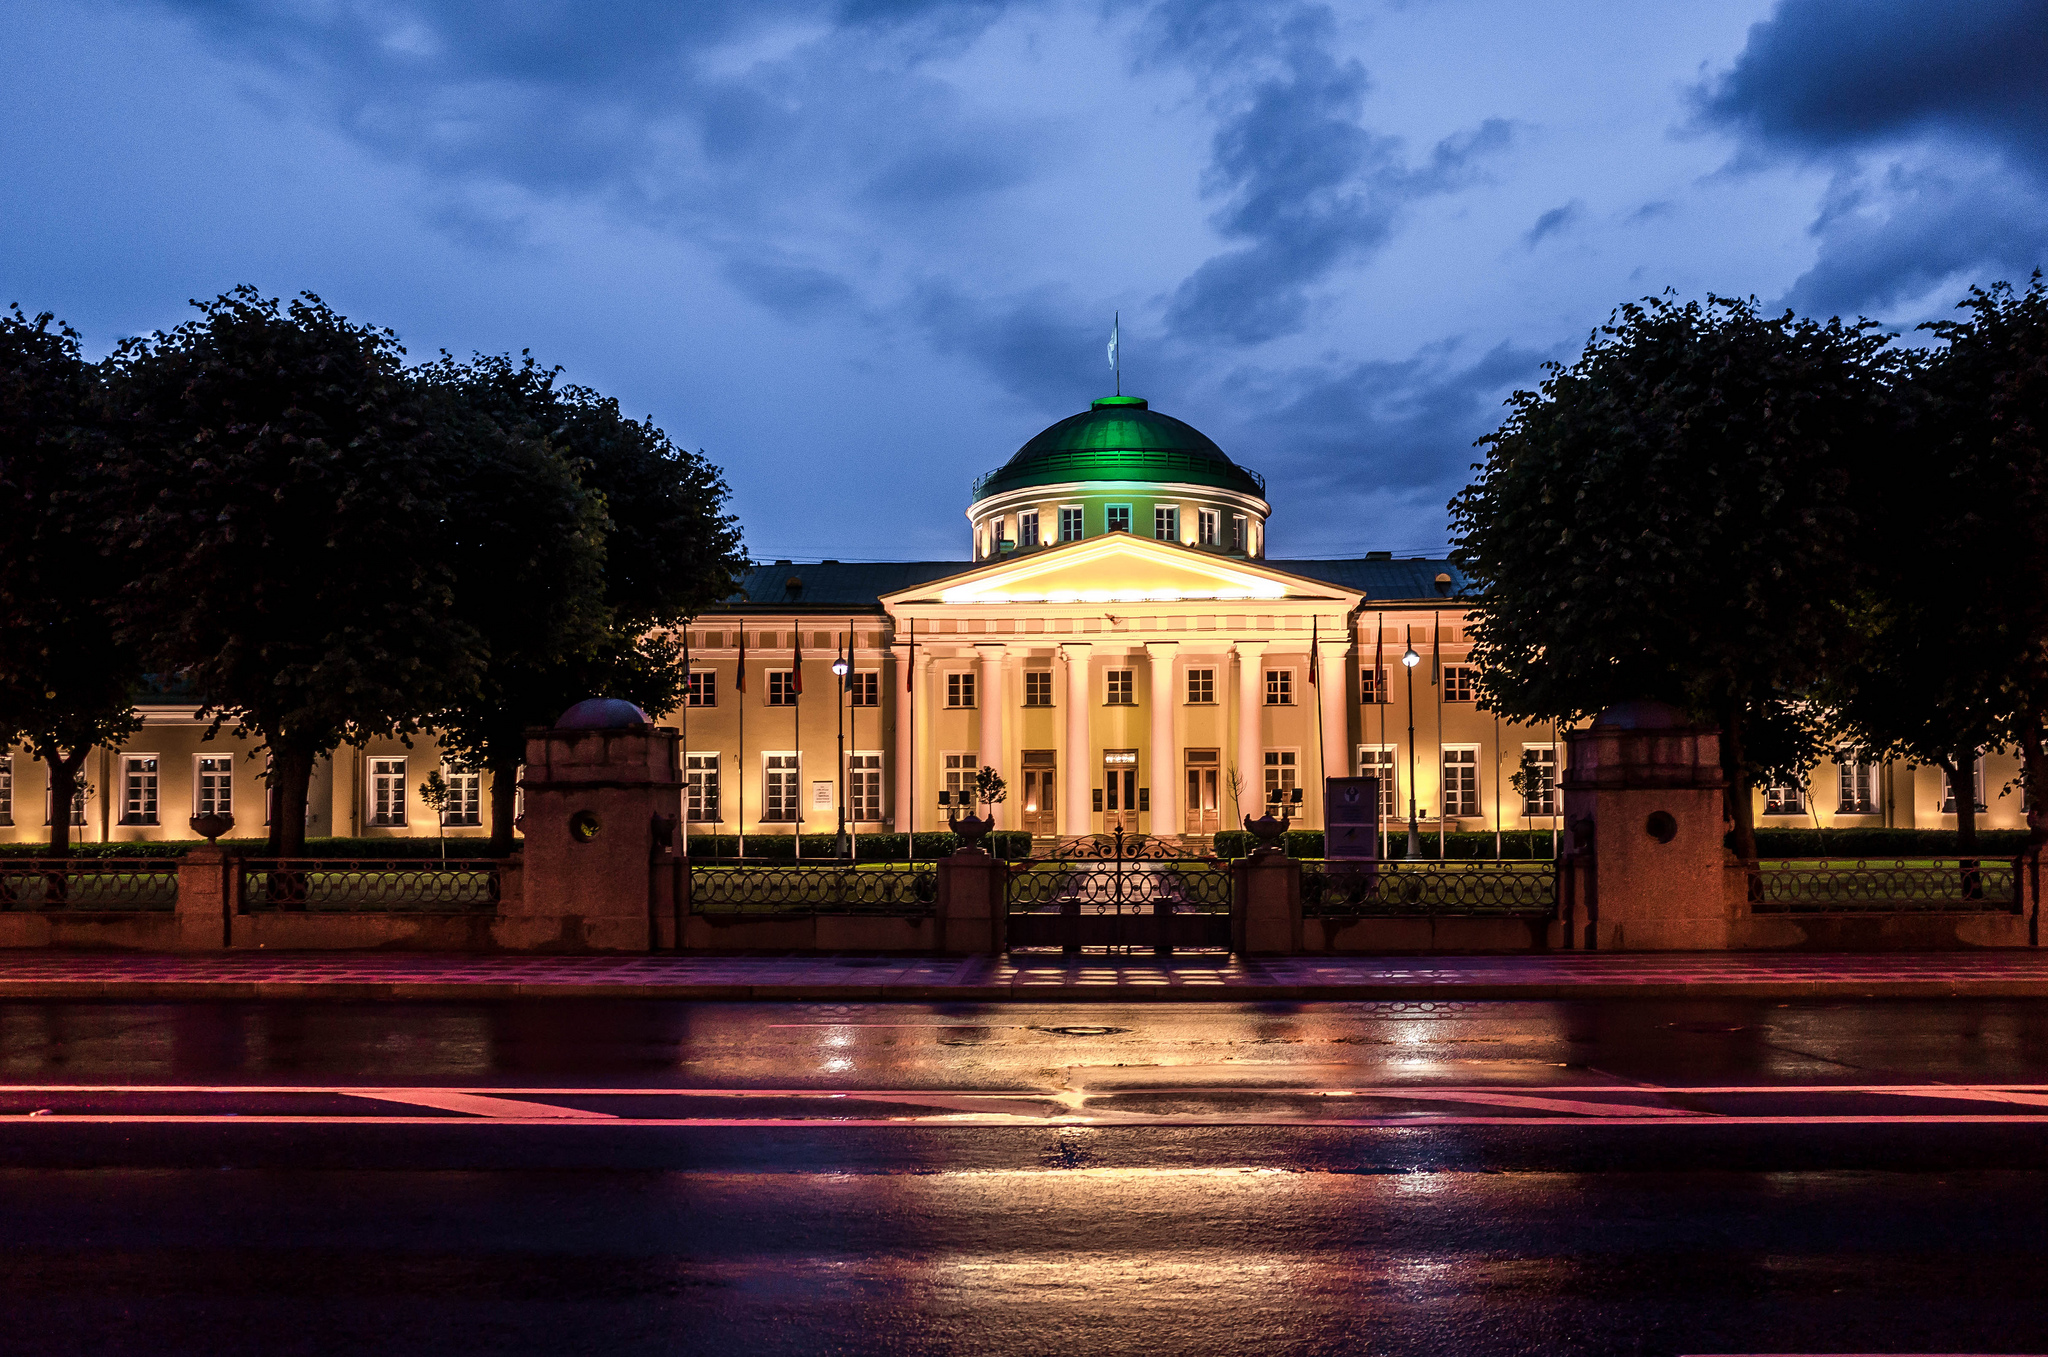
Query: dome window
1206, 531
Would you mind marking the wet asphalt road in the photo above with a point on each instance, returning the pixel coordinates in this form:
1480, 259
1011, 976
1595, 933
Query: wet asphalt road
1205, 1178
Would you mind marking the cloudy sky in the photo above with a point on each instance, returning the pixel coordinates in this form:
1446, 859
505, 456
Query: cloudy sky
859, 250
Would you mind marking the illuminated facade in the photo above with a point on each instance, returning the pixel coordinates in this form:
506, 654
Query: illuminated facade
1120, 648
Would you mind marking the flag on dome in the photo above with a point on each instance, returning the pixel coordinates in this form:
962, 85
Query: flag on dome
1114, 325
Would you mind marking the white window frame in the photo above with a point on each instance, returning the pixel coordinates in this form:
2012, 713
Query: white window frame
1285, 687
1027, 529
865, 787
1119, 688
1241, 533
1208, 680
1380, 760
1785, 798
1073, 523
864, 683
1548, 803
1109, 511
782, 773
374, 784
700, 688
464, 808
1444, 766
961, 690
703, 768
1166, 522
788, 694
1207, 526
1375, 685
1856, 779
149, 810
1045, 678
1281, 768
957, 768
1468, 677
202, 800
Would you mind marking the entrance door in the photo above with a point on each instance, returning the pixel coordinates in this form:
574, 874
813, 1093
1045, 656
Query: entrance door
1203, 815
1041, 792
1119, 790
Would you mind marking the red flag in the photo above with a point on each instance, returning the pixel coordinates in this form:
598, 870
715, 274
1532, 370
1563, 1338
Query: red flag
1313, 649
796, 670
740, 682
910, 662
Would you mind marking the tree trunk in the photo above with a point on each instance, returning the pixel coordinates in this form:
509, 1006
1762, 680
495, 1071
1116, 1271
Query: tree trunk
2034, 762
504, 799
64, 770
1741, 811
1962, 786
291, 771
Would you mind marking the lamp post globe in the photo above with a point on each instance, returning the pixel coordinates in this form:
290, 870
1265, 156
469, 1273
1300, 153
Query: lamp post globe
1408, 662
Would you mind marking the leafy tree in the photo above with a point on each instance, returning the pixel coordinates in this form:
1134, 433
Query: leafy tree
65, 682
1671, 517
666, 549
289, 529
1952, 654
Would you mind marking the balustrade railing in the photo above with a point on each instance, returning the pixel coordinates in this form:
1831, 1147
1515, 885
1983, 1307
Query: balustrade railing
907, 889
89, 883
1897, 886
369, 885
1520, 888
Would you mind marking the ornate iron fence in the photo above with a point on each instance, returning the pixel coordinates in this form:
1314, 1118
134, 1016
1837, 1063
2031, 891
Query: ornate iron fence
89, 883
317, 885
1901, 886
791, 889
1519, 888
1122, 892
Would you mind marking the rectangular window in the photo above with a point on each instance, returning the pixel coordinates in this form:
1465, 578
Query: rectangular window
1117, 518
1461, 782
213, 792
703, 789
1206, 524
1166, 522
1283, 794
1201, 687
864, 788
1948, 793
1858, 777
701, 689
1459, 682
782, 688
1377, 760
1240, 532
1027, 530
138, 789
1038, 687
1785, 798
1070, 523
957, 793
960, 690
465, 804
387, 791
864, 689
1539, 779
1279, 687
780, 794
1117, 687
1372, 686
6, 789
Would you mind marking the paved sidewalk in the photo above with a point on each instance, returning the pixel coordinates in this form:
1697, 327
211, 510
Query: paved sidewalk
48, 975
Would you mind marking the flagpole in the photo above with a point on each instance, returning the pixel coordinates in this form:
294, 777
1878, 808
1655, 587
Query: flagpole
1315, 657
1436, 680
741, 758
796, 728
1379, 689
910, 715
686, 744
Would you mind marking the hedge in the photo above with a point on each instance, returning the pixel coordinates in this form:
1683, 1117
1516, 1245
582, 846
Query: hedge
1308, 843
931, 845
256, 848
1770, 843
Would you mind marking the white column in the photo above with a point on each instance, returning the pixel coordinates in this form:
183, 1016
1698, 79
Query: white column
989, 698
906, 725
1077, 815
1164, 757
1333, 683
1251, 744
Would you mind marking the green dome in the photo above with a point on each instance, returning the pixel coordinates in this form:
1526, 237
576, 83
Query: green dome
1120, 438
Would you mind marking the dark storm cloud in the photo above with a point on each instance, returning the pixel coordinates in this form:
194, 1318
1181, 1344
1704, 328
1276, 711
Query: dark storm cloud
1936, 119
1304, 184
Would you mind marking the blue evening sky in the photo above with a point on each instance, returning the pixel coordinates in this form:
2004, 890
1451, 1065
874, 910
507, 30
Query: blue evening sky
859, 250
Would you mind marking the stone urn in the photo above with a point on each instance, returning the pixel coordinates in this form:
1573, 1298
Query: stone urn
1267, 831
972, 831
211, 826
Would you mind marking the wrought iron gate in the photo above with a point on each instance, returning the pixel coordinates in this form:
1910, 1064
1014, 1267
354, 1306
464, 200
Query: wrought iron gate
1123, 892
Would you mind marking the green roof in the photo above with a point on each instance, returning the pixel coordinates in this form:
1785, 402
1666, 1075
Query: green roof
1120, 438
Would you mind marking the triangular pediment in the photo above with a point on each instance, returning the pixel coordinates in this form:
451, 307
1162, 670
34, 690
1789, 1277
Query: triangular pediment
1118, 568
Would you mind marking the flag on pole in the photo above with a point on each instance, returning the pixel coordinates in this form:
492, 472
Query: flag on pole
740, 680
1115, 350
1314, 650
910, 661
796, 668
1114, 326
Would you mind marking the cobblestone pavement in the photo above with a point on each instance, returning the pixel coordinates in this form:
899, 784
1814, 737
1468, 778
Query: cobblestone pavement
813, 976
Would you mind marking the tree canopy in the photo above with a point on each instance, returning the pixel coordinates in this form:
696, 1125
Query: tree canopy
1672, 516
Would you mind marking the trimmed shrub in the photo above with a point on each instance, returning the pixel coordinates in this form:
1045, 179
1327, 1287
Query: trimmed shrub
256, 848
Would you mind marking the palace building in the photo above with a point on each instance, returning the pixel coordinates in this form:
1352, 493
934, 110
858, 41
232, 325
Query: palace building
1120, 648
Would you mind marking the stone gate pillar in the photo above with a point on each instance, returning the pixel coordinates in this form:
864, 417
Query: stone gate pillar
603, 791
1645, 864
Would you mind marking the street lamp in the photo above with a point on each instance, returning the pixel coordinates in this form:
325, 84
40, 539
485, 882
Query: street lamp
1408, 662
839, 668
